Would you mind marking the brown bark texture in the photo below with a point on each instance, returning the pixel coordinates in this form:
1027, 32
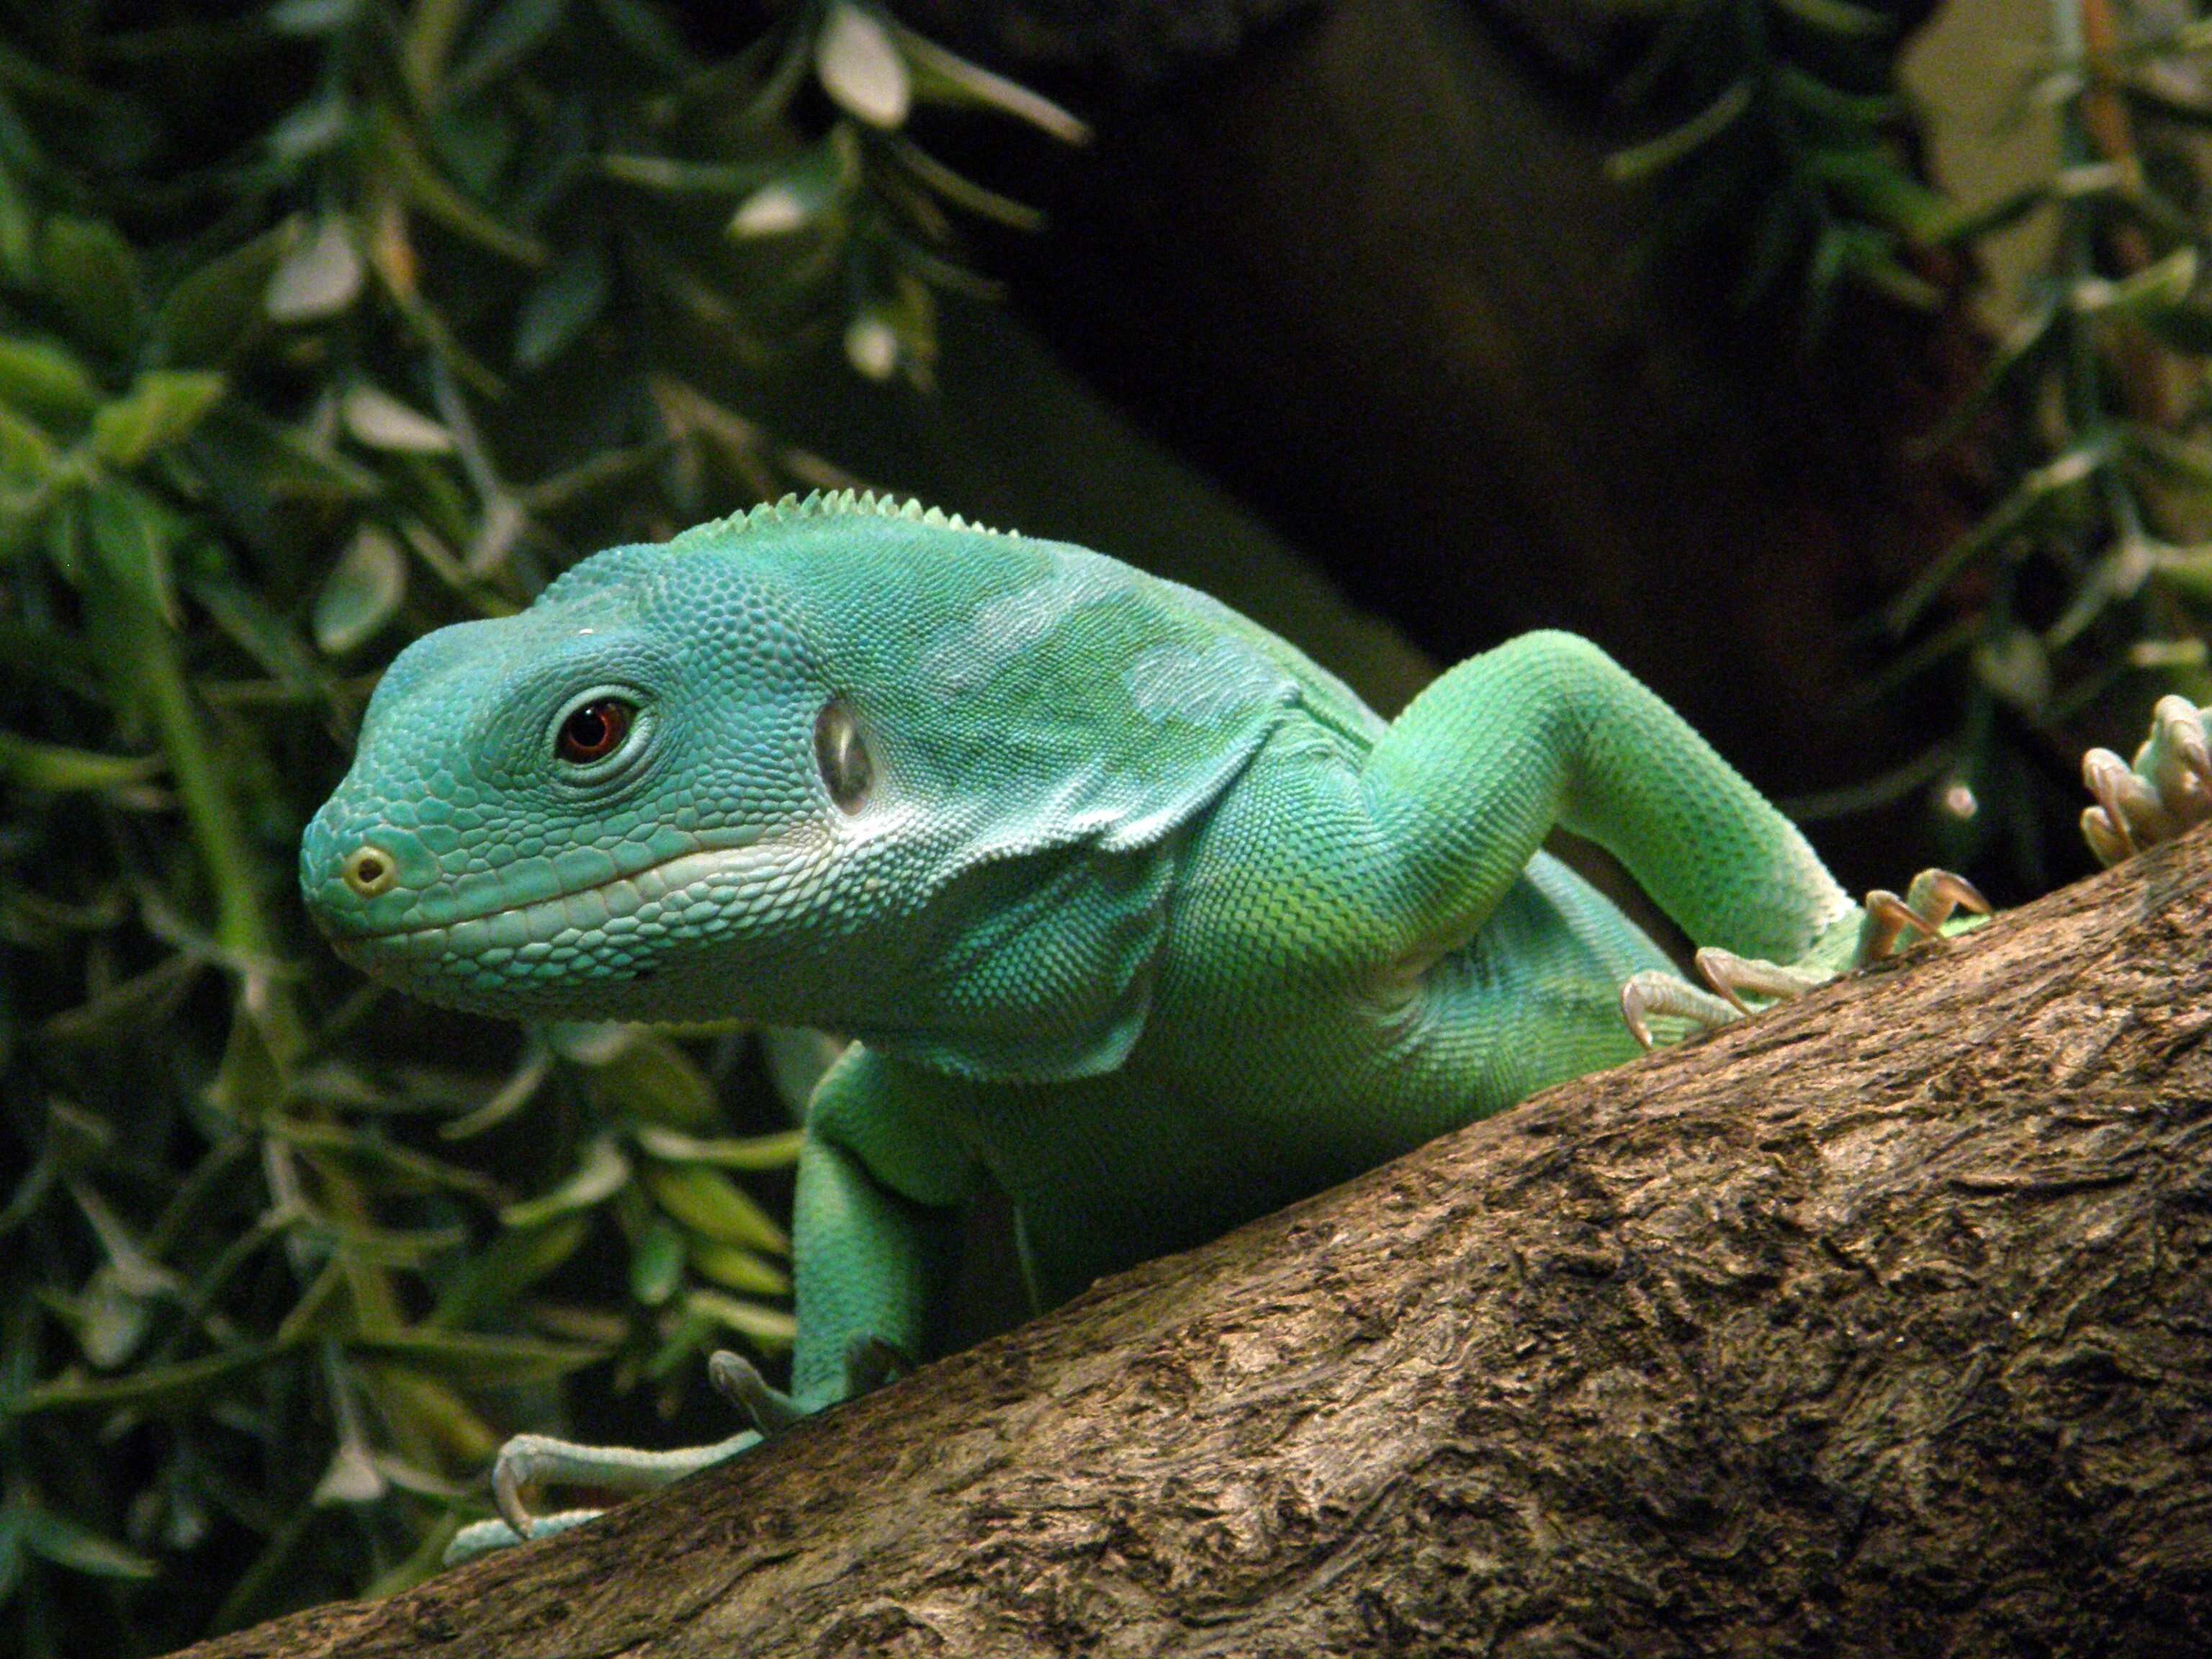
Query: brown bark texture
1880, 1324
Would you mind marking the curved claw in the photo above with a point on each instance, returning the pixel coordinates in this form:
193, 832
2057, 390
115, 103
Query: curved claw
1655, 991
1733, 975
2166, 790
515, 1467
2106, 839
737, 1380
1931, 901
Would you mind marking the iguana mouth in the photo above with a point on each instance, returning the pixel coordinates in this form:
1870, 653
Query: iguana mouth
697, 864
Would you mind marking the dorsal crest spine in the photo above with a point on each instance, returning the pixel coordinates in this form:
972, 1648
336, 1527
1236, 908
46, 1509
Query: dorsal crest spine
836, 504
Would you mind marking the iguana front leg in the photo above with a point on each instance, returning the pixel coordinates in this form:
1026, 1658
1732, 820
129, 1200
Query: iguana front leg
874, 1229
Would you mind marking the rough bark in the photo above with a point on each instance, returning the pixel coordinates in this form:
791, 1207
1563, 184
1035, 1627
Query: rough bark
1880, 1324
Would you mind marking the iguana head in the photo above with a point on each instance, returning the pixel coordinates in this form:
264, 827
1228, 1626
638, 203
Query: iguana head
845, 762
603, 807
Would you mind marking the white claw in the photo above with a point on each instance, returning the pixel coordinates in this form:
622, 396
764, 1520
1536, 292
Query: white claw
1733, 975
2179, 725
2110, 846
2108, 777
513, 1469
1655, 991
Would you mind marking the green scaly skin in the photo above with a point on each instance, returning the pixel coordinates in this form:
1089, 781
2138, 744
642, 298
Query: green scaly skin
1140, 917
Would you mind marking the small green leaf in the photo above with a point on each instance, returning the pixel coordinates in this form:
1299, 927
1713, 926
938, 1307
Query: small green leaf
135, 538
214, 309
311, 129
2159, 287
60, 770
712, 1205
482, 1362
45, 381
766, 1328
92, 277
439, 197
19, 232
312, 17
1840, 17
381, 420
496, 1276
319, 278
161, 408
603, 1172
775, 1152
111, 1320
249, 1085
817, 182
350, 1477
154, 1388
945, 77
740, 1269
510, 34
872, 345
52, 1538
859, 67
1679, 143
652, 1079
563, 304
656, 1264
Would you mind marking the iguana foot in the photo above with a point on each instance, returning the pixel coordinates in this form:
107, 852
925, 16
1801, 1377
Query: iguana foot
1890, 923
2167, 791
530, 1460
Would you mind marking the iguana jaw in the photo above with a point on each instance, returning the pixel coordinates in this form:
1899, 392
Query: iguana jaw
576, 950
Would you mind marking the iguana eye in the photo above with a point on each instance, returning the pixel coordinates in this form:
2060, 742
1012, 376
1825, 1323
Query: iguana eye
843, 757
594, 732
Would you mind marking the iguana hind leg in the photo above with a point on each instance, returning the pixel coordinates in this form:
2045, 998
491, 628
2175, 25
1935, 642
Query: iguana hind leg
1547, 730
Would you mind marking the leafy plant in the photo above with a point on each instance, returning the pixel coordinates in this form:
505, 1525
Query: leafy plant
2085, 589
323, 323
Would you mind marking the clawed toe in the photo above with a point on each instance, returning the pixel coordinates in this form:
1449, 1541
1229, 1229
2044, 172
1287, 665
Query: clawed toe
1653, 992
1736, 976
2168, 790
1931, 901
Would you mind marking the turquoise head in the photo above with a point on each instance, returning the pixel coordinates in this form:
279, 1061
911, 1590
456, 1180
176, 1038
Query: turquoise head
620, 803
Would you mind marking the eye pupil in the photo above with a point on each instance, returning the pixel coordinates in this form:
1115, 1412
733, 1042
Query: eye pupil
594, 731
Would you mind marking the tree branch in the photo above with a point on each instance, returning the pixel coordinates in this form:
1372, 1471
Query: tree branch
1880, 1324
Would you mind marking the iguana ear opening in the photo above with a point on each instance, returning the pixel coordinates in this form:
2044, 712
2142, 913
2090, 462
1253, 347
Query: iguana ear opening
841, 756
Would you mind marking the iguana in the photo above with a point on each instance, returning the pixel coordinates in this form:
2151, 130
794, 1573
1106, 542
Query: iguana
1140, 917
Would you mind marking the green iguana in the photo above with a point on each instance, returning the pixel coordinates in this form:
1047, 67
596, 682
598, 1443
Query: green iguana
1140, 917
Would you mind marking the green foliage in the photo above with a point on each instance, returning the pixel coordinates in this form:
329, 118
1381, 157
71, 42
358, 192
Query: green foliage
323, 323
2085, 589
1789, 135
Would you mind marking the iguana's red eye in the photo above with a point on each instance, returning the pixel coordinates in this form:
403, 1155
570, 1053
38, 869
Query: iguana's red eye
594, 731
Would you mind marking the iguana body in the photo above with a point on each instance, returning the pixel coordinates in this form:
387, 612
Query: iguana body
1140, 917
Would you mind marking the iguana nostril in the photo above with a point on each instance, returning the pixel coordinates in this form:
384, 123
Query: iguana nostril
369, 871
